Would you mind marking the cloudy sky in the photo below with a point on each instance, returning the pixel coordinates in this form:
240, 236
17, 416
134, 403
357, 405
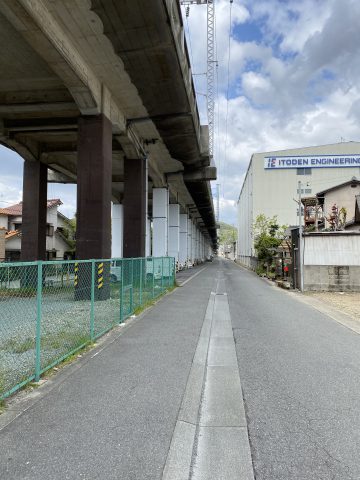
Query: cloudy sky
294, 81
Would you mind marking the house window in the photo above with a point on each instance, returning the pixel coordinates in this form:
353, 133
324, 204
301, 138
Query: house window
49, 230
303, 171
304, 191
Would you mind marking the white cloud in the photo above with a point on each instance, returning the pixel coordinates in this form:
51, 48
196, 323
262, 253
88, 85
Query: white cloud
9, 194
295, 85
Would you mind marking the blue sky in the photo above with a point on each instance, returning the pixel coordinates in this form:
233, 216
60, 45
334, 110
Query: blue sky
294, 71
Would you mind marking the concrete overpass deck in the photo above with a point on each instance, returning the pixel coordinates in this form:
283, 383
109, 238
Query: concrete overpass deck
101, 94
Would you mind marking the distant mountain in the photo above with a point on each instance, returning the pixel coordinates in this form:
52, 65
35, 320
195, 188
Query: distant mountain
227, 233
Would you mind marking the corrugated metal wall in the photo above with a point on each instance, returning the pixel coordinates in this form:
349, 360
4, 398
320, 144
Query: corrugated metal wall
332, 249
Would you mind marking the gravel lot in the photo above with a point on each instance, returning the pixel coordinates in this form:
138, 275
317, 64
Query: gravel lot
345, 302
65, 325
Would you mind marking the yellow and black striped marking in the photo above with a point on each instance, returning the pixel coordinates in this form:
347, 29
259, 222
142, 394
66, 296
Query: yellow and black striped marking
76, 276
100, 275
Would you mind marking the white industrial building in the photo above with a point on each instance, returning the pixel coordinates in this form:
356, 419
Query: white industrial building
271, 185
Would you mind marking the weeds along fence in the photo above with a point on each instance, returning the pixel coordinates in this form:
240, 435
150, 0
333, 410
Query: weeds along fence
49, 310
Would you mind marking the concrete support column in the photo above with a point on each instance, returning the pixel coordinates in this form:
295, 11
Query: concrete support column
183, 250
93, 228
174, 231
193, 248
160, 222
189, 242
198, 244
135, 206
148, 237
117, 230
33, 230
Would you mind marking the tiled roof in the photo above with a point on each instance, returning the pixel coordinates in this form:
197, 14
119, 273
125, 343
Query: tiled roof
12, 233
16, 209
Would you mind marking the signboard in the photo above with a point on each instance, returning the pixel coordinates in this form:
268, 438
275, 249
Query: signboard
311, 161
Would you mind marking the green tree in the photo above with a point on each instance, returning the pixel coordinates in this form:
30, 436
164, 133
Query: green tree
268, 236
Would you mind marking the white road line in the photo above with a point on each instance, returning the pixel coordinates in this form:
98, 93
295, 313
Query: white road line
210, 439
192, 276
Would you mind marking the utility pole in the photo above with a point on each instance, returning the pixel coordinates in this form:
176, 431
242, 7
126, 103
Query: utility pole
301, 260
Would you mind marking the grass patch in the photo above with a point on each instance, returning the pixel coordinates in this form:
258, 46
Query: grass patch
63, 339
152, 301
56, 341
16, 345
18, 292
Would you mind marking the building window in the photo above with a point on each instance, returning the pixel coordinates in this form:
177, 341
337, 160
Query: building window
303, 171
49, 230
303, 191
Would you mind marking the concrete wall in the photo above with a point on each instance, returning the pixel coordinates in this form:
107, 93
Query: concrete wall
52, 216
271, 192
245, 218
332, 278
61, 246
332, 262
4, 221
13, 243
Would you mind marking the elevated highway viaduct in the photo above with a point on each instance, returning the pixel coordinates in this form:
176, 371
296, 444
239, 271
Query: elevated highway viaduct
100, 93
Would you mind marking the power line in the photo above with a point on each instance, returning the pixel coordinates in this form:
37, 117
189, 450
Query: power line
227, 92
189, 37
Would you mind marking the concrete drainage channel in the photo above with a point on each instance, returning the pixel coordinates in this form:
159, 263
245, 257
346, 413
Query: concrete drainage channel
210, 439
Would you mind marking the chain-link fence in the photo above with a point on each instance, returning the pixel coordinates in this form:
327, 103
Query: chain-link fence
49, 310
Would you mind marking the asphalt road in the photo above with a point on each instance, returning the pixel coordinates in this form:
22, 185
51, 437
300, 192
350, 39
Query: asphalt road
300, 375
113, 415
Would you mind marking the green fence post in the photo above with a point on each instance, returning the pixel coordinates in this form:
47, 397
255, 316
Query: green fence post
162, 274
38, 322
174, 274
141, 280
169, 270
153, 278
122, 290
132, 287
92, 306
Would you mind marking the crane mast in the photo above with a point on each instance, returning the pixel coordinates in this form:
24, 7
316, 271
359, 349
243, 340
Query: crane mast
210, 71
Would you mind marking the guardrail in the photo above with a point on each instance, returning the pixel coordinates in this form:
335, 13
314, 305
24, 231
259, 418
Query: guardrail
50, 310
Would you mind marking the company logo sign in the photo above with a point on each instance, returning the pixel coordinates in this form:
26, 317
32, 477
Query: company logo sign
319, 161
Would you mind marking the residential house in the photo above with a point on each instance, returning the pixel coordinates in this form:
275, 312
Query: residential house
342, 196
58, 242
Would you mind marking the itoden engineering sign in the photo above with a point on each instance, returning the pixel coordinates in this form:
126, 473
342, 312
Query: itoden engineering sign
311, 161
